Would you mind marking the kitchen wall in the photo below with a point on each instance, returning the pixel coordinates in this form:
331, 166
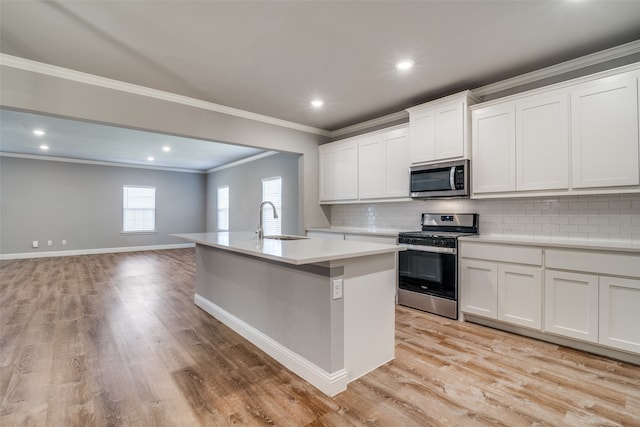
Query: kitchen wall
245, 193
609, 217
82, 204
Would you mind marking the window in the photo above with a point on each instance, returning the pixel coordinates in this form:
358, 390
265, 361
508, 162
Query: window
223, 208
138, 209
272, 192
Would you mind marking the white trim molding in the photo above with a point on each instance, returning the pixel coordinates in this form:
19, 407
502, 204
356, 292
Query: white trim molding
330, 383
48, 254
621, 51
80, 77
96, 162
611, 54
242, 161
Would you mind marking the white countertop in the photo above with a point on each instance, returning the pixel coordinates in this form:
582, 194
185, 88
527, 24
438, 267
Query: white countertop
557, 242
297, 252
386, 232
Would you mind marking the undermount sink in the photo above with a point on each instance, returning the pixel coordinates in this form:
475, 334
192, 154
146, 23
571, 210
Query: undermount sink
285, 237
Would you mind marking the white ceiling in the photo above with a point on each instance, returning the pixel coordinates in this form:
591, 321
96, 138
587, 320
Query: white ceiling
274, 57
74, 139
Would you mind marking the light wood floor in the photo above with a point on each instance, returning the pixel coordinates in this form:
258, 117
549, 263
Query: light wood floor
116, 340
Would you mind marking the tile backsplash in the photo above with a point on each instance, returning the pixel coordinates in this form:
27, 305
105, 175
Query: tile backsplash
608, 217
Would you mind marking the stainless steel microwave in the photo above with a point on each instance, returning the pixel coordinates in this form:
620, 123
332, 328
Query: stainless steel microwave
450, 179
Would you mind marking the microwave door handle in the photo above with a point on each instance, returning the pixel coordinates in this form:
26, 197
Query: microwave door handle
452, 178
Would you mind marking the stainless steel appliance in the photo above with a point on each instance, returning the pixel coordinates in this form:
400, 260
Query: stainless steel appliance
450, 179
428, 269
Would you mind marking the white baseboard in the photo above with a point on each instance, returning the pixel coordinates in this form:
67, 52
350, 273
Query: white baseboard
47, 254
328, 383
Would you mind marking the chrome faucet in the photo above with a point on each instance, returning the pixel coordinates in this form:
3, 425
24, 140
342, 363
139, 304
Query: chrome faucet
275, 215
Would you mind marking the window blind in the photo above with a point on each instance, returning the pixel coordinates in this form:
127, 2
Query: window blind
138, 209
272, 192
223, 208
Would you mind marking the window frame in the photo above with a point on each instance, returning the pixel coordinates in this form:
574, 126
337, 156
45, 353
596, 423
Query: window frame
267, 216
126, 209
219, 209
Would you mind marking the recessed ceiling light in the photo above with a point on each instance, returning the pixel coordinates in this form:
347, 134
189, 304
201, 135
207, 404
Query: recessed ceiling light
151, 159
405, 64
317, 103
38, 132
166, 148
44, 147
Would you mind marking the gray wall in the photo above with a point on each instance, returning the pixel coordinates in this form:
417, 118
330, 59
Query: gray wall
61, 95
245, 192
82, 203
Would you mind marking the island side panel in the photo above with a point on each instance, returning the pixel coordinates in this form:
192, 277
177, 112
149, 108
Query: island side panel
290, 304
369, 295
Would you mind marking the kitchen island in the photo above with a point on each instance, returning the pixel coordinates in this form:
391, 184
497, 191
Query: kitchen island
323, 308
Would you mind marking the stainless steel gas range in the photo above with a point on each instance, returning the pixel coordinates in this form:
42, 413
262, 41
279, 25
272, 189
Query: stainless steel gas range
428, 269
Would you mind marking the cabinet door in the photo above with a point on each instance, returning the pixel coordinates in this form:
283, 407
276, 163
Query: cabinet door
604, 118
479, 288
571, 305
423, 135
449, 126
396, 165
346, 173
328, 162
493, 145
620, 313
542, 142
370, 168
520, 295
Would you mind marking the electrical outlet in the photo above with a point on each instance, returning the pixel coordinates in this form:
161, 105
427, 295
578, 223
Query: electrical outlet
336, 288
64, 242
49, 242
34, 244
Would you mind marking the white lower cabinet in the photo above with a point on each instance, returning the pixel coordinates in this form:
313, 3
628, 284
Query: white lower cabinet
502, 290
571, 305
479, 287
520, 295
591, 295
619, 305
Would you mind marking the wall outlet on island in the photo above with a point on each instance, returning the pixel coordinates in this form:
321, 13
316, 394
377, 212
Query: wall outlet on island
336, 289
34, 244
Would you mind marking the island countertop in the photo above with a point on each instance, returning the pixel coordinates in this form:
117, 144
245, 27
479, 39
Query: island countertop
296, 252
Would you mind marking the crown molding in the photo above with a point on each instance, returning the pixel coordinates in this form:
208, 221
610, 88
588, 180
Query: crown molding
389, 118
91, 79
96, 162
621, 51
242, 161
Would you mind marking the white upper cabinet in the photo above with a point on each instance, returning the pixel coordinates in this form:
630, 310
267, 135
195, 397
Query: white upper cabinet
440, 129
339, 171
542, 142
370, 178
396, 151
384, 165
366, 167
576, 137
604, 117
493, 166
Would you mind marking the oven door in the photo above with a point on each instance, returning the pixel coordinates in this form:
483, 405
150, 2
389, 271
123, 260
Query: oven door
429, 270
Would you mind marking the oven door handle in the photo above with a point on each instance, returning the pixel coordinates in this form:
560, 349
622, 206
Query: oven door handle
433, 249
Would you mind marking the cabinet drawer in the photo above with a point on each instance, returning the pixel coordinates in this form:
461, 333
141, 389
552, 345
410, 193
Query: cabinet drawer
593, 262
501, 253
